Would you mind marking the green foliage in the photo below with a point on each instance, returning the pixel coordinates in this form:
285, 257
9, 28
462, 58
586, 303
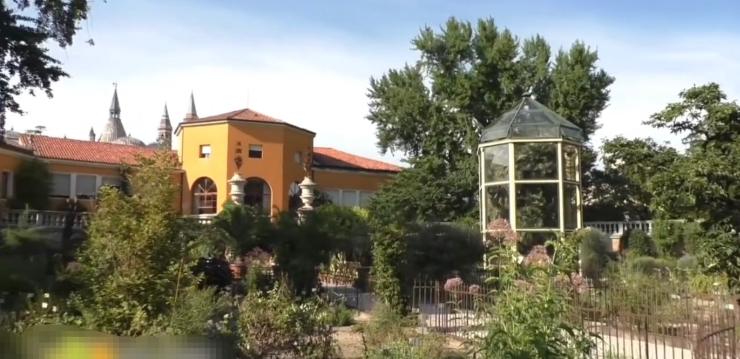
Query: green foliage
300, 249
719, 253
529, 318
704, 183
467, 73
438, 250
386, 327
622, 187
340, 315
246, 226
275, 324
32, 185
675, 238
595, 247
650, 266
389, 255
640, 244
687, 263
25, 260
350, 231
26, 28
136, 262
196, 312
430, 346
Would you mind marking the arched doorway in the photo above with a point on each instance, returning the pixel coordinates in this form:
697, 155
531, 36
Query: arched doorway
205, 196
257, 193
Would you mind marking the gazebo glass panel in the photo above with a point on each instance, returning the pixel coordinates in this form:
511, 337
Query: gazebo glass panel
496, 165
537, 205
536, 160
570, 212
570, 163
497, 203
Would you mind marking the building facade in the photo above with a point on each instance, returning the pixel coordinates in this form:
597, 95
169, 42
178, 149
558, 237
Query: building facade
271, 154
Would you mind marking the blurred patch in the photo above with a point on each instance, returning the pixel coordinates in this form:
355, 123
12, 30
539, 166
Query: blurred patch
62, 342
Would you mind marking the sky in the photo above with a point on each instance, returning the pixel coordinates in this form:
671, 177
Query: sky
309, 62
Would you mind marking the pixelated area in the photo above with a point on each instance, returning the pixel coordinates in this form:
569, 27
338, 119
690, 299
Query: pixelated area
60, 342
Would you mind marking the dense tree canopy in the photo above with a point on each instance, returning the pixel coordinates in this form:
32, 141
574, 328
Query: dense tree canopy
621, 188
705, 183
26, 26
466, 77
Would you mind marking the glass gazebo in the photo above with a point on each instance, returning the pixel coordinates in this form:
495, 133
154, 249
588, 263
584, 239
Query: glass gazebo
530, 173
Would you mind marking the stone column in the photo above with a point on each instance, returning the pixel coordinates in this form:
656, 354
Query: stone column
237, 188
307, 197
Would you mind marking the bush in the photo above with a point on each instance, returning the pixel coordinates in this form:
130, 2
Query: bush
273, 324
390, 253
32, 185
688, 263
246, 226
650, 266
341, 316
640, 244
595, 252
529, 318
437, 251
386, 326
349, 229
674, 238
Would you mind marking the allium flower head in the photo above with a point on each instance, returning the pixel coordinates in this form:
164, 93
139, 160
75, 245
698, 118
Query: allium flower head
453, 284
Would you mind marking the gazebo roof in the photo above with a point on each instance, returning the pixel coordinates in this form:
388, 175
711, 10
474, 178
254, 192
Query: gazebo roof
531, 119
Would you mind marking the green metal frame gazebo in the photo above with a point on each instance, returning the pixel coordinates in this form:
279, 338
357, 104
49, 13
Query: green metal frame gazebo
530, 172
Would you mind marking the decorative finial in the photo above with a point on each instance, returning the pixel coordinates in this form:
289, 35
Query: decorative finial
115, 107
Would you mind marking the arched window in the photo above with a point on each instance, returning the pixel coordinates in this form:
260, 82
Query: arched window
257, 193
205, 196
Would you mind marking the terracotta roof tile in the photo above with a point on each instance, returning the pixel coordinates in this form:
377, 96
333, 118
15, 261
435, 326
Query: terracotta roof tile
332, 158
244, 114
84, 151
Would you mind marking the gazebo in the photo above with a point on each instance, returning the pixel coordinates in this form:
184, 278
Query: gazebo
530, 173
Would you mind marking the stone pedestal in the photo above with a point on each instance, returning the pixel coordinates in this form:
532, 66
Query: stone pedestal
237, 188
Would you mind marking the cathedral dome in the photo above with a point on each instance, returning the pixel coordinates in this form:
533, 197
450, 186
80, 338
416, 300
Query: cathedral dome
129, 140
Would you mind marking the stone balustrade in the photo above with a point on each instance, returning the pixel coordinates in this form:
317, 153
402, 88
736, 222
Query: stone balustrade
618, 227
53, 219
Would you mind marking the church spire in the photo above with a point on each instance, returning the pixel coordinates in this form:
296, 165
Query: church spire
164, 132
114, 127
115, 108
92, 135
192, 113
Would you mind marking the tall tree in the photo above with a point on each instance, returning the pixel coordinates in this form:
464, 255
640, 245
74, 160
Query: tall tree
26, 26
622, 187
704, 184
466, 77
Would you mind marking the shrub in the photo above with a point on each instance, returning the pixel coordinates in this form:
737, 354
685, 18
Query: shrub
32, 185
300, 249
246, 226
341, 316
688, 263
640, 244
390, 253
273, 324
529, 318
437, 251
674, 238
349, 230
650, 266
386, 326
430, 346
595, 252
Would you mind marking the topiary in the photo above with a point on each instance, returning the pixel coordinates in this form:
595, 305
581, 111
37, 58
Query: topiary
639, 244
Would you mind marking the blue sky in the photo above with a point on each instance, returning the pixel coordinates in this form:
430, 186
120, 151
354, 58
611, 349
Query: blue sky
309, 62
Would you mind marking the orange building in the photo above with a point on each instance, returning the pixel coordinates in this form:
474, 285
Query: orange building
272, 155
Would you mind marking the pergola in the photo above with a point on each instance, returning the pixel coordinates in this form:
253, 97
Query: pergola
530, 173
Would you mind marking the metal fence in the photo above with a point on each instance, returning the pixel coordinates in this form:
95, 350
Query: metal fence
650, 324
